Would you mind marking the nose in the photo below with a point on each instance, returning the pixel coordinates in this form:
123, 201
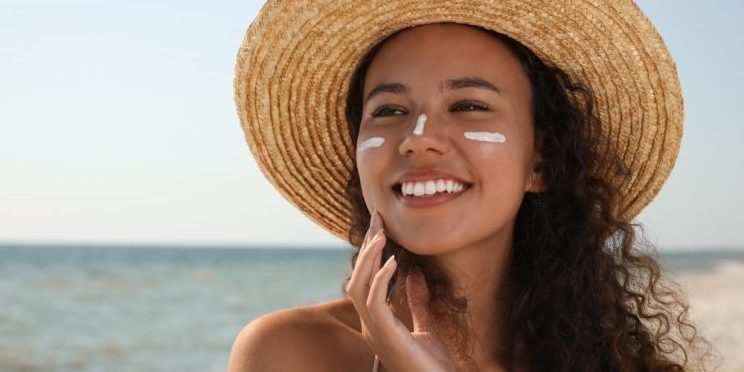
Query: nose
431, 139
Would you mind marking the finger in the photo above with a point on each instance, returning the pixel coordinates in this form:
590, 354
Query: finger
376, 261
373, 227
377, 300
365, 262
365, 247
359, 283
418, 301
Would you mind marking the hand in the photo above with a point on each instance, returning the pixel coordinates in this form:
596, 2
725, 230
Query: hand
397, 348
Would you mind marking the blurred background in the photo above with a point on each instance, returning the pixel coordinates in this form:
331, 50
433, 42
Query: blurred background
138, 234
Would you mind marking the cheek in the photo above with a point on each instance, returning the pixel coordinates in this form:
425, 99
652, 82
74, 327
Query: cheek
503, 178
500, 169
372, 157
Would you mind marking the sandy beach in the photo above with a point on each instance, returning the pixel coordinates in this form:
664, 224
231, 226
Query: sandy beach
717, 307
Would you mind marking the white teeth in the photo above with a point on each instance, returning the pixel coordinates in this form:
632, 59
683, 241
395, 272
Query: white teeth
418, 189
407, 188
431, 187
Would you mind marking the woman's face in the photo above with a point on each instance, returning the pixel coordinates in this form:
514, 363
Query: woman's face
463, 80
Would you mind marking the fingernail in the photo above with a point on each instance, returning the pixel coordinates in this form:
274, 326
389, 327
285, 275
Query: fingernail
391, 259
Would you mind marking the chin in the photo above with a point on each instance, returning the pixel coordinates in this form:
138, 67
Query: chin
431, 245
422, 250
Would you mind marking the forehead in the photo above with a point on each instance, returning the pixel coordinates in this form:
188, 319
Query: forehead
441, 51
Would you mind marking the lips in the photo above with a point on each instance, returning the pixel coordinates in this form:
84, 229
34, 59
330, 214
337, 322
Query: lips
428, 174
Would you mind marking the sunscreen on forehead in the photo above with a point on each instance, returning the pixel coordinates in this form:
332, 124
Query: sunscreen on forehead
371, 142
419, 130
486, 136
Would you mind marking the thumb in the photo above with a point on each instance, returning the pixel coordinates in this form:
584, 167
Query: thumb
418, 301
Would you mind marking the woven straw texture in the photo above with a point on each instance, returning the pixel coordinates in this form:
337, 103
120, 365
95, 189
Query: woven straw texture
297, 57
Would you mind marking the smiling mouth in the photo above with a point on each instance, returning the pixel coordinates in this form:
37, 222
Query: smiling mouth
397, 190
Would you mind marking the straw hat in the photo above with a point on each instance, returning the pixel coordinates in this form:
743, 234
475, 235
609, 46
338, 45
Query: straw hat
297, 58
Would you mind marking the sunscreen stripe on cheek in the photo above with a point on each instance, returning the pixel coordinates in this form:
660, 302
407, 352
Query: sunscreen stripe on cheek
495, 137
371, 142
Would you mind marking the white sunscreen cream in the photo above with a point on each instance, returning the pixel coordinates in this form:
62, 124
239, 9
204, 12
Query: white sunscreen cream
419, 130
371, 142
486, 136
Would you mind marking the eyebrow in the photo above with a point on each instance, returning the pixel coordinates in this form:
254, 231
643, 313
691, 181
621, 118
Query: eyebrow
395, 88
469, 82
452, 84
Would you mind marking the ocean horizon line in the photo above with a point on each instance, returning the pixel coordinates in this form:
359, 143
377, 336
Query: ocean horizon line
283, 246
174, 245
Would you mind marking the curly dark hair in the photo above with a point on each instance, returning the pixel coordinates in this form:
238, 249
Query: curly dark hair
586, 292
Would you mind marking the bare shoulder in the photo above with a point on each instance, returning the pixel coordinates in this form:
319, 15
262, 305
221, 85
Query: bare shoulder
319, 337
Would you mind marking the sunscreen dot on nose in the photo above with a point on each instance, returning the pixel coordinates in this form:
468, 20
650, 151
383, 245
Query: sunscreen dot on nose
495, 137
371, 142
419, 130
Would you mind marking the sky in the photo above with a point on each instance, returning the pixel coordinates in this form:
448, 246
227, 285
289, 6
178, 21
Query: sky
118, 126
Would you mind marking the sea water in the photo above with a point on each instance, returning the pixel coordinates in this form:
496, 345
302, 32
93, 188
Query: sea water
118, 308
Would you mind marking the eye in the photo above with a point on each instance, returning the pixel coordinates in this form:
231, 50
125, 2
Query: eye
469, 106
388, 111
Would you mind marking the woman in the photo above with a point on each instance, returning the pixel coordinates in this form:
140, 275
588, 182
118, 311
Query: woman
501, 185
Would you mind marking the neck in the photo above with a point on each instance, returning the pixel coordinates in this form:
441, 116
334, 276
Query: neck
477, 274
